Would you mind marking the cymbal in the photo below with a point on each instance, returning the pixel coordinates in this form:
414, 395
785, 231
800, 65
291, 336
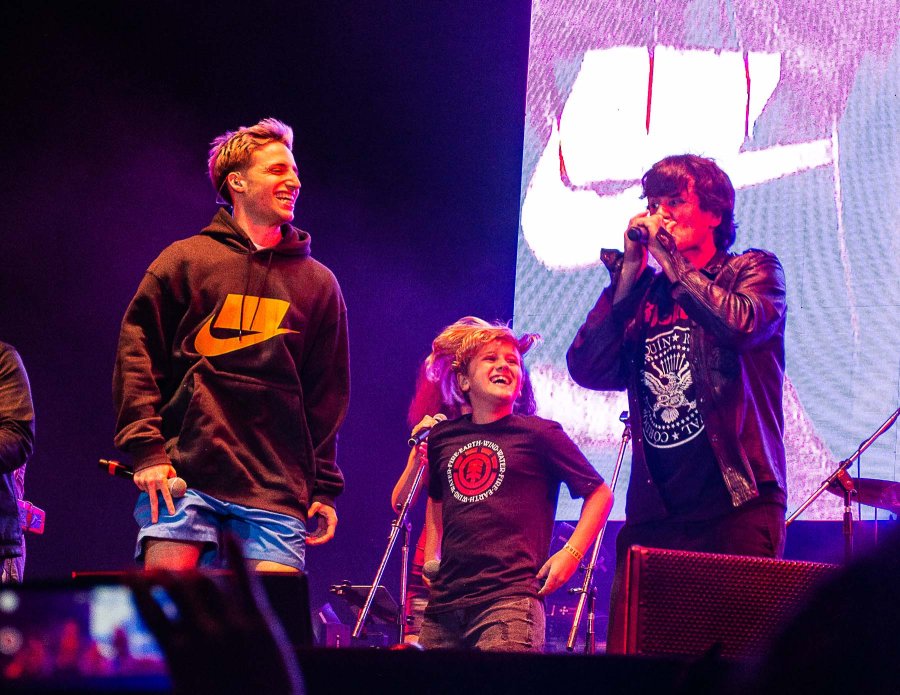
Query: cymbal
884, 494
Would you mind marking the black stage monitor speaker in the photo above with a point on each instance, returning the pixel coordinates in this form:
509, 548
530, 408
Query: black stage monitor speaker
681, 603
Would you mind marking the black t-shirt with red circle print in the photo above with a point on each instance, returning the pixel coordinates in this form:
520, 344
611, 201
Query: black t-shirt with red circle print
499, 485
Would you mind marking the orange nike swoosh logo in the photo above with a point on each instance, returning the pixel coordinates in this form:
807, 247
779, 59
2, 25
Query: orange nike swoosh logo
265, 313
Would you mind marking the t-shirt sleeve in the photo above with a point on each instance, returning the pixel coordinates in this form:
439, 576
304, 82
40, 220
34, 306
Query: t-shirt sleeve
568, 463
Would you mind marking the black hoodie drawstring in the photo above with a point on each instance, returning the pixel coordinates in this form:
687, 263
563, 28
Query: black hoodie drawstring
262, 289
244, 296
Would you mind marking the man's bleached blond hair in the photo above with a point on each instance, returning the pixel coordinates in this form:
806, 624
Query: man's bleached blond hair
459, 342
232, 150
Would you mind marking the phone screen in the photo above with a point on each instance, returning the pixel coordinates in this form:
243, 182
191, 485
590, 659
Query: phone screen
72, 632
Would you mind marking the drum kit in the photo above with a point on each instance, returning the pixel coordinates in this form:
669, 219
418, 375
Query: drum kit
883, 494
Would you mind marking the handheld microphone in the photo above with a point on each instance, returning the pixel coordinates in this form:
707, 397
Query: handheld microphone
177, 486
639, 234
421, 435
430, 569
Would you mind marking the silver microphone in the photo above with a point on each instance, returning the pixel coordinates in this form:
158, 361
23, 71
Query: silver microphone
177, 486
430, 569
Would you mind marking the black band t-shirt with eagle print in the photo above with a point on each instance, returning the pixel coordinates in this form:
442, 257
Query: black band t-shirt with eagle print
498, 484
676, 445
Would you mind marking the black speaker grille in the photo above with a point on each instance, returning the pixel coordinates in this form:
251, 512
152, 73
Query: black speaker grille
683, 603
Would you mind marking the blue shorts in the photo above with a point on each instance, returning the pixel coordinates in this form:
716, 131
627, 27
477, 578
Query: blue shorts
200, 518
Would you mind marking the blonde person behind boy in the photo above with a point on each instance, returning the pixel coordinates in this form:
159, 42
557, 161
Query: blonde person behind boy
493, 485
436, 393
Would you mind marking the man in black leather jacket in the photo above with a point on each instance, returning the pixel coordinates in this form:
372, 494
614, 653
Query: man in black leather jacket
699, 345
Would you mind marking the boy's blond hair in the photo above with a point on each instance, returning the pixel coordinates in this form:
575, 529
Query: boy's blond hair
458, 343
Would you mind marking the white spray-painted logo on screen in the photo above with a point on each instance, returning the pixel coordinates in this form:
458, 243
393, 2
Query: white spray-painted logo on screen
700, 100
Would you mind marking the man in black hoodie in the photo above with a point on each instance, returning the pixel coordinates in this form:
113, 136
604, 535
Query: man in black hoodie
233, 371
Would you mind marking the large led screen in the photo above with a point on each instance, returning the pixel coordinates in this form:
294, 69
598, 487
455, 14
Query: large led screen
797, 101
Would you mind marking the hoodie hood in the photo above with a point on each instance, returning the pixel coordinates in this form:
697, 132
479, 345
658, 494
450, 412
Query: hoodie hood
233, 365
224, 229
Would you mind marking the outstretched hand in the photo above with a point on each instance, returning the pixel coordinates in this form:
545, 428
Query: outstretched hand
558, 569
224, 636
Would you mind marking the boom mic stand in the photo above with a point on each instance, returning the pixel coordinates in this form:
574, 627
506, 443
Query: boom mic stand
845, 482
587, 593
399, 523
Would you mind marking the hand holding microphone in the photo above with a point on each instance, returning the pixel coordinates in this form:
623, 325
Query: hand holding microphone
148, 481
423, 429
641, 226
638, 234
177, 486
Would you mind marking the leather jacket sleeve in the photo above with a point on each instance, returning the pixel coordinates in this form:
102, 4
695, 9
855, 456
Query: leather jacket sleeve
742, 309
596, 358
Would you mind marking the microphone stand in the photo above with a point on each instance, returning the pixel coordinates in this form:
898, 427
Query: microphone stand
399, 523
587, 593
845, 482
